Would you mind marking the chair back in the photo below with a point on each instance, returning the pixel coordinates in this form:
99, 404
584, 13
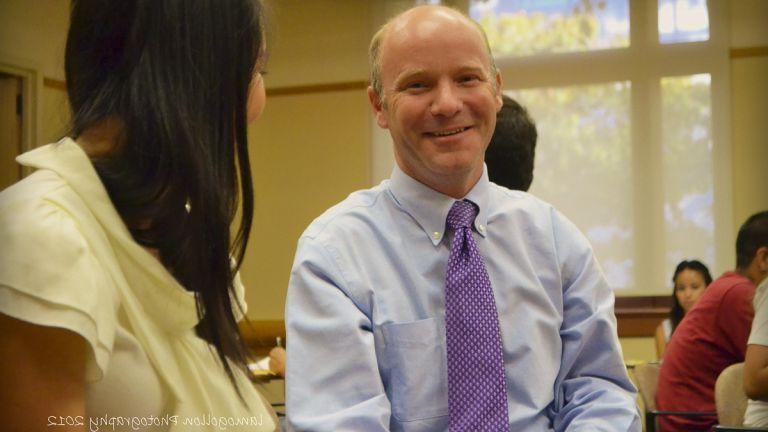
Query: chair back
647, 377
730, 399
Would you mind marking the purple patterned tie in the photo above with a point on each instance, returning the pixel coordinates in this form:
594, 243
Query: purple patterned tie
477, 395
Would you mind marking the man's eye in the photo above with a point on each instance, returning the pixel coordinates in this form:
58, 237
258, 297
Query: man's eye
415, 86
469, 78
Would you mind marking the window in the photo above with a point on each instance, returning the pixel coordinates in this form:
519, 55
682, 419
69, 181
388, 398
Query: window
520, 27
683, 21
630, 99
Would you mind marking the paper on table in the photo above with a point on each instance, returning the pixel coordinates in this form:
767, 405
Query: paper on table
261, 365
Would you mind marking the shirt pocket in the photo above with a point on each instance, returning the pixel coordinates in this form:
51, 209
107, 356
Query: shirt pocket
418, 368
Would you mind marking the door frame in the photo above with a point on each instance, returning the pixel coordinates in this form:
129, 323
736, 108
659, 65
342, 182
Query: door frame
31, 91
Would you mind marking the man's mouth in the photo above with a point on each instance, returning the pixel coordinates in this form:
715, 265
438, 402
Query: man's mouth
448, 132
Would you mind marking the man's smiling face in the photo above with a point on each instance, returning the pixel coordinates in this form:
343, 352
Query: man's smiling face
441, 97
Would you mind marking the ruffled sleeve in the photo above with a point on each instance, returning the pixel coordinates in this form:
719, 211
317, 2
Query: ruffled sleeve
48, 274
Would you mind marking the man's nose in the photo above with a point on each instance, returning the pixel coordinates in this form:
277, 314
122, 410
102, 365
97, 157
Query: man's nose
447, 101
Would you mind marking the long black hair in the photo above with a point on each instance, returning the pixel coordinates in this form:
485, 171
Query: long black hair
175, 75
676, 313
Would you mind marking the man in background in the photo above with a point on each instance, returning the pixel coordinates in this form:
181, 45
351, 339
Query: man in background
713, 335
510, 154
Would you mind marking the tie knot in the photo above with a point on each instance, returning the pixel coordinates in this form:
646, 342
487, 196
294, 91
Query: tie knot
461, 215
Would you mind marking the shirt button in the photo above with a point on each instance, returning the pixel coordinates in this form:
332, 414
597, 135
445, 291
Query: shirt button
481, 228
435, 235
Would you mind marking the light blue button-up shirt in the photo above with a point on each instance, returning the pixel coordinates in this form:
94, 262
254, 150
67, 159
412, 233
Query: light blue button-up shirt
365, 315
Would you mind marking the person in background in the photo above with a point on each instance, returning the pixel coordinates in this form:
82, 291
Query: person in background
756, 359
512, 149
713, 334
119, 287
277, 361
438, 300
690, 280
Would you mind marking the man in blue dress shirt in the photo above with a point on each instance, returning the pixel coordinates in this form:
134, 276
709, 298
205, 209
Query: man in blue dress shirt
365, 312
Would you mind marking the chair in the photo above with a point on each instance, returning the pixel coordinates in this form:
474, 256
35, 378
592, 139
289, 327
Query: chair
730, 400
646, 377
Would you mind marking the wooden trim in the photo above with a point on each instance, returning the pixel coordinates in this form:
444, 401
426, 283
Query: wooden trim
758, 51
639, 316
277, 91
317, 88
54, 83
261, 335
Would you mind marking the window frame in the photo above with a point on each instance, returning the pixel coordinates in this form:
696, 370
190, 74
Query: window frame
644, 63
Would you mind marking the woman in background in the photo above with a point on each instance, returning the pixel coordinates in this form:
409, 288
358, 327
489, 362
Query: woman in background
690, 280
119, 294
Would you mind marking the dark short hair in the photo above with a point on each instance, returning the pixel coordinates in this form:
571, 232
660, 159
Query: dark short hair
176, 75
510, 154
753, 235
676, 313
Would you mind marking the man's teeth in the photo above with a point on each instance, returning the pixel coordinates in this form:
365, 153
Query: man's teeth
449, 132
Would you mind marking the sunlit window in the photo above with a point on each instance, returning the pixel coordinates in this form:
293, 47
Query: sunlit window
523, 27
683, 21
688, 168
584, 155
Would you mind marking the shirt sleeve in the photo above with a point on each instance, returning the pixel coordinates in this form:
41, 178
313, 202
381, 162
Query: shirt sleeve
50, 277
759, 334
592, 391
239, 305
735, 318
332, 377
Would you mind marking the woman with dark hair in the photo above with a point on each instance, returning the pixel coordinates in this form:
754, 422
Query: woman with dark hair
690, 280
119, 287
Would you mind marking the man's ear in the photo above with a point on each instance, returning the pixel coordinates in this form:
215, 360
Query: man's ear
499, 85
762, 258
378, 110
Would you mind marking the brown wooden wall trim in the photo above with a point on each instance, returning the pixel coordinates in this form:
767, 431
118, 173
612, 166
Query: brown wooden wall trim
758, 51
639, 316
261, 335
277, 91
317, 88
54, 83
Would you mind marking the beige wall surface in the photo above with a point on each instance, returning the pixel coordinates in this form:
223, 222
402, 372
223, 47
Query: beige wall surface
33, 34
308, 152
319, 41
749, 109
54, 118
638, 349
748, 23
749, 99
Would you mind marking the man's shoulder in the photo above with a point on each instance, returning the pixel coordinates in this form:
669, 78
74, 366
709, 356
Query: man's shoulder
358, 206
527, 212
512, 200
730, 285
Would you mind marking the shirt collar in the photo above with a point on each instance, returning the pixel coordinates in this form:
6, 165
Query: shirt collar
168, 302
430, 208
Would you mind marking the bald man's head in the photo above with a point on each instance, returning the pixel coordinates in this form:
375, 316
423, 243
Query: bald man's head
407, 18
